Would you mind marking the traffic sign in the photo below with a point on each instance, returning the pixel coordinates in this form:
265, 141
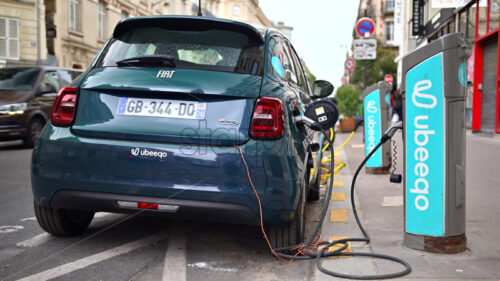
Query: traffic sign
365, 27
388, 78
350, 64
365, 49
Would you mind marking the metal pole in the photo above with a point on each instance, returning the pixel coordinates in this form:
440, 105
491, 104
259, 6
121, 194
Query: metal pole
38, 39
364, 74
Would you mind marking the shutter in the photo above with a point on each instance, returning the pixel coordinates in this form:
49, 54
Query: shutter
13, 38
3, 39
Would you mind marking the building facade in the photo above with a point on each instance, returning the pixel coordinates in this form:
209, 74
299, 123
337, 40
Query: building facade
382, 13
428, 20
20, 41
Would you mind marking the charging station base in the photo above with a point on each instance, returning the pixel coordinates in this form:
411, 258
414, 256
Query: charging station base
432, 244
378, 170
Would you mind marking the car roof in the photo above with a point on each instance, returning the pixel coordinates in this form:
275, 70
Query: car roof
257, 32
45, 67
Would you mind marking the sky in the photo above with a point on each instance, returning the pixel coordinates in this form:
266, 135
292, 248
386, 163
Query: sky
322, 32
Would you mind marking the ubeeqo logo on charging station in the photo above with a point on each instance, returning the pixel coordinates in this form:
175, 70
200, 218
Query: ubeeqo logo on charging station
147, 153
372, 128
425, 148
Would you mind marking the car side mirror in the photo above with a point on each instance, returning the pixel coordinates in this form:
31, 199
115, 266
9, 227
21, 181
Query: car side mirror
322, 89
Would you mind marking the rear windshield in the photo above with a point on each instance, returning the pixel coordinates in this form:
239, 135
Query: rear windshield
20, 79
212, 49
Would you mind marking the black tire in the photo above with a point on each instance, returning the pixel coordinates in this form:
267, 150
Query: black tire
291, 234
313, 184
62, 222
35, 129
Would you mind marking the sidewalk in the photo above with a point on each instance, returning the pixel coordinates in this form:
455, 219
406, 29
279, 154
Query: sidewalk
380, 204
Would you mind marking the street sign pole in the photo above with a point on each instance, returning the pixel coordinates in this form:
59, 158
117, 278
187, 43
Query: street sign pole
364, 74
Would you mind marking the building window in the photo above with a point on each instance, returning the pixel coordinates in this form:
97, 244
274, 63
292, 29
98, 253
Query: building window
9, 38
236, 10
74, 15
183, 7
101, 20
389, 5
389, 32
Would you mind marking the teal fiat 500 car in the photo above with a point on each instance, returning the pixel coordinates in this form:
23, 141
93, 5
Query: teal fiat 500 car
161, 123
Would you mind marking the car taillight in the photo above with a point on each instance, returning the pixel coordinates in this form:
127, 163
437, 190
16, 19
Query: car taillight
63, 109
267, 120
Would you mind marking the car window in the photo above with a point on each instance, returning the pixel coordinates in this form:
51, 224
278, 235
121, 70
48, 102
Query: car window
206, 49
67, 76
298, 67
18, 78
50, 78
281, 62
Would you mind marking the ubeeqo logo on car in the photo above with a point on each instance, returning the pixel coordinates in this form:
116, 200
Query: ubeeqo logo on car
149, 153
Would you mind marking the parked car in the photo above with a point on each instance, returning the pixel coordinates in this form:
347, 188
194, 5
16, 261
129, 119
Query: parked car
157, 121
26, 98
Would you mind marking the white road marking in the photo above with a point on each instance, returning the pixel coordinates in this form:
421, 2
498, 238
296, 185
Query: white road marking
10, 228
93, 259
36, 241
29, 219
174, 267
393, 201
212, 266
45, 237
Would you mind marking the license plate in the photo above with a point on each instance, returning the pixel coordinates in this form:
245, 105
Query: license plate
162, 108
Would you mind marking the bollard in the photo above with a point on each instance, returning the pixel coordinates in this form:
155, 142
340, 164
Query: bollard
434, 145
376, 105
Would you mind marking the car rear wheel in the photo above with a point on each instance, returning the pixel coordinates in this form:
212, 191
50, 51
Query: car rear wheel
36, 127
62, 222
313, 182
291, 234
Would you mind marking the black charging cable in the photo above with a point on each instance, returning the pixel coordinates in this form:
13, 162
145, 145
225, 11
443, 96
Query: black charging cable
344, 242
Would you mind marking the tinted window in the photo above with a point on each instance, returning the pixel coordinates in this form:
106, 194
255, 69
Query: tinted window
212, 49
67, 76
299, 71
280, 52
18, 78
50, 79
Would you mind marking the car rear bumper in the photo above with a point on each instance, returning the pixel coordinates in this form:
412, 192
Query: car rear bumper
63, 162
176, 208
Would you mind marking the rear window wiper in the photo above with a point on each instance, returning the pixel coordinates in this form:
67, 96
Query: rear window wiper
148, 60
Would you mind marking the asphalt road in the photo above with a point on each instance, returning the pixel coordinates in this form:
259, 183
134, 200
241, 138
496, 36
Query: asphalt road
124, 247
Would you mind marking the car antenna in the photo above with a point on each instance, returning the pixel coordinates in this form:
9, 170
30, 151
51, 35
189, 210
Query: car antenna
199, 8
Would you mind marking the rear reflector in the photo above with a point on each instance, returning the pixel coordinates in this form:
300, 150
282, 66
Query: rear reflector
142, 205
267, 120
148, 206
63, 109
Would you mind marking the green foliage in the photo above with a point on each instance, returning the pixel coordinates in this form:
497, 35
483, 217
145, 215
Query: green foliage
348, 100
376, 69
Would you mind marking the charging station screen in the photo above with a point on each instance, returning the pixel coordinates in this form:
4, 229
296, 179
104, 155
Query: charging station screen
425, 148
373, 128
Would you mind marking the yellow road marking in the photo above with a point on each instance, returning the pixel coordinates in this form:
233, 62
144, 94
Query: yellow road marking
338, 246
338, 196
338, 215
338, 184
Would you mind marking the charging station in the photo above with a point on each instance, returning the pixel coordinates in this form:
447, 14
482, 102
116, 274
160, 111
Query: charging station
434, 145
376, 107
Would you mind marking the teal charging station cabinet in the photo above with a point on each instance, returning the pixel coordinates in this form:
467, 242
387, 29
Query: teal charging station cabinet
376, 111
434, 133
